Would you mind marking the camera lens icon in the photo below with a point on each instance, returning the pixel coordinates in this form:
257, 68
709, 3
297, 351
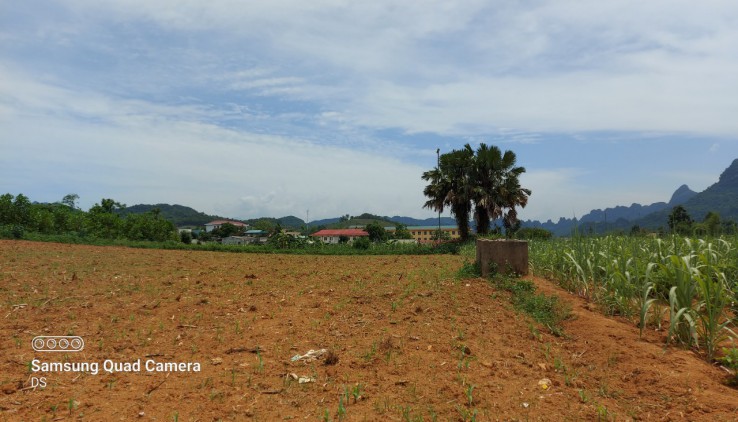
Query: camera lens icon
58, 343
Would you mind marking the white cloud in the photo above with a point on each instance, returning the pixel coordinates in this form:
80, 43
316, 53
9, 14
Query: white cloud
151, 156
290, 98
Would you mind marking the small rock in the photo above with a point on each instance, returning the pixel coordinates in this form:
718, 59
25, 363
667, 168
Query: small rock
216, 361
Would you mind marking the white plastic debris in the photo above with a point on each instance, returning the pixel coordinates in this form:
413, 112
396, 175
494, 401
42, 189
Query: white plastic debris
310, 356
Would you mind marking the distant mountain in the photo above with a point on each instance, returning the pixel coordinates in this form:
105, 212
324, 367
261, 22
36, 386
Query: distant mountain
183, 216
291, 221
178, 214
266, 223
681, 195
721, 197
633, 212
324, 222
608, 219
408, 221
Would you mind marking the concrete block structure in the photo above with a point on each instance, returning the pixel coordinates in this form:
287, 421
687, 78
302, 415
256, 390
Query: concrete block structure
509, 256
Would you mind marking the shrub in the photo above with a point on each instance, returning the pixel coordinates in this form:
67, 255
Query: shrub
17, 231
362, 243
185, 237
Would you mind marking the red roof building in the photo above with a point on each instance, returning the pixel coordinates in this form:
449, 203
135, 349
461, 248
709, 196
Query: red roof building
334, 235
217, 223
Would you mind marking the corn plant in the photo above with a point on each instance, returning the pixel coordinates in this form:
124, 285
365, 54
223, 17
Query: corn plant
695, 279
712, 319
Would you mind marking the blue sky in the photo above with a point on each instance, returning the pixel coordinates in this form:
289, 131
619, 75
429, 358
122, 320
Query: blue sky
256, 108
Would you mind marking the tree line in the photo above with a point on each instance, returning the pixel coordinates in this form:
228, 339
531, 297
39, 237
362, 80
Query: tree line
18, 215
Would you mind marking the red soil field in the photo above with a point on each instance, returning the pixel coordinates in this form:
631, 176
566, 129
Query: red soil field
404, 339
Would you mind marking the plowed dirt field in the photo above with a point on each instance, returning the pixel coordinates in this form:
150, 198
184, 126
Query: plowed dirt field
222, 336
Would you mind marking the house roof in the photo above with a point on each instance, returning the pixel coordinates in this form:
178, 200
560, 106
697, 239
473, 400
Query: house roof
255, 231
432, 228
341, 232
220, 222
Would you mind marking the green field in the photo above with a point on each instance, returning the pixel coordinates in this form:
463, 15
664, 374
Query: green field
691, 281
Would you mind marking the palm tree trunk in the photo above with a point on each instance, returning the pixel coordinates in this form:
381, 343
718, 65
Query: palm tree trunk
461, 214
482, 218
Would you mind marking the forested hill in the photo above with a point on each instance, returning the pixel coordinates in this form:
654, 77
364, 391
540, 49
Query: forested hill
180, 215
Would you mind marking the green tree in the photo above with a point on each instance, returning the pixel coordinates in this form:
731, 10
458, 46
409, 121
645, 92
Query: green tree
227, 229
21, 213
103, 221
6, 209
497, 191
149, 226
70, 200
362, 243
450, 186
185, 237
679, 220
486, 178
376, 231
440, 235
712, 224
401, 232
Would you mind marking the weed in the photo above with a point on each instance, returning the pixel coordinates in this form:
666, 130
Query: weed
356, 392
260, 367
369, 356
341, 408
469, 396
469, 270
469, 415
730, 360
559, 364
583, 396
602, 413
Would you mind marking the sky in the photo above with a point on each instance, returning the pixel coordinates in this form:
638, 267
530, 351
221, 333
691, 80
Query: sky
272, 108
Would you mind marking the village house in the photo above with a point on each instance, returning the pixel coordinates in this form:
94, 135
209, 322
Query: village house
217, 223
424, 234
334, 235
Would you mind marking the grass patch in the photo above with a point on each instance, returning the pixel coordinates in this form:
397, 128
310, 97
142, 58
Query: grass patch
546, 310
470, 269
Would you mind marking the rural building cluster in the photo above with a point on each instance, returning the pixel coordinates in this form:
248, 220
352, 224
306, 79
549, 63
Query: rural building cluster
246, 235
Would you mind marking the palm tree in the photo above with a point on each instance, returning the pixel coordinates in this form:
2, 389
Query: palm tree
497, 187
485, 178
497, 190
450, 187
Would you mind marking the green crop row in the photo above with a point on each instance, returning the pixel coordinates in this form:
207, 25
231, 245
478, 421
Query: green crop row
696, 281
